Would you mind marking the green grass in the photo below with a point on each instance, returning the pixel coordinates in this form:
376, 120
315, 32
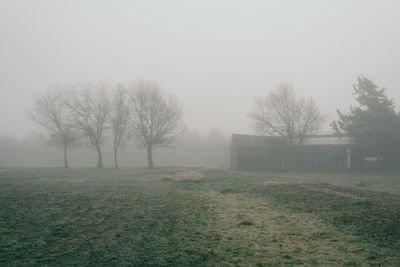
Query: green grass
187, 216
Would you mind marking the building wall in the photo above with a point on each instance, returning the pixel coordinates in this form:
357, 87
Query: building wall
322, 153
293, 158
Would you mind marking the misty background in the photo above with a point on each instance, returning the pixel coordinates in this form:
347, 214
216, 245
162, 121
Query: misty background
211, 150
216, 57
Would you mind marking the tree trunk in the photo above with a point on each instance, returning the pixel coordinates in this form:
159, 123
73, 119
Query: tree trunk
99, 157
116, 158
150, 157
65, 156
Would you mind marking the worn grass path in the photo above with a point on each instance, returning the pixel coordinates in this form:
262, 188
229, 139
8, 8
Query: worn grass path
186, 216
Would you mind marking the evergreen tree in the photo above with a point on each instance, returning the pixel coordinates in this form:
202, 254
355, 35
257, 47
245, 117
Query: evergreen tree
374, 121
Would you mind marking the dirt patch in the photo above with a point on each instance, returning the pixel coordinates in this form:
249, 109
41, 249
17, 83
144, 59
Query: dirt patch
253, 232
281, 182
328, 189
335, 190
53, 180
179, 176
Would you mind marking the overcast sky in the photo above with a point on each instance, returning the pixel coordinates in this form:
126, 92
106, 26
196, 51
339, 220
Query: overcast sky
215, 56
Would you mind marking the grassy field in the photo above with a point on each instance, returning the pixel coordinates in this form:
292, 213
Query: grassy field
192, 216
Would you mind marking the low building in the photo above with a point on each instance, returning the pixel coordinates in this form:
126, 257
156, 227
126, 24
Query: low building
316, 153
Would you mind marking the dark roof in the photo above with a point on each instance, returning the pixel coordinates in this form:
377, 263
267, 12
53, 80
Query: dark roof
254, 140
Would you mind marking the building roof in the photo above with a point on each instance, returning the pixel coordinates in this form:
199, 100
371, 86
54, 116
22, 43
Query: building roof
254, 140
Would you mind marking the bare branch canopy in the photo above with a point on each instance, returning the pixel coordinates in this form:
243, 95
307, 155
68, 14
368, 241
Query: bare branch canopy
156, 117
282, 113
90, 107
50, 113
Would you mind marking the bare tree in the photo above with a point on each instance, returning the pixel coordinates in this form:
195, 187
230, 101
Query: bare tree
120, 119
156, 118
284, 114
90, 108
51, 115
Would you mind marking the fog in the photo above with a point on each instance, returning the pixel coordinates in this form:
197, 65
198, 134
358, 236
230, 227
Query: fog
211, 150
216, 57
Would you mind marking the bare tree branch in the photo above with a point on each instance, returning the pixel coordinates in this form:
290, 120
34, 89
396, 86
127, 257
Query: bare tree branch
120, 116
90, 109
284, 114
156, 118
51, 115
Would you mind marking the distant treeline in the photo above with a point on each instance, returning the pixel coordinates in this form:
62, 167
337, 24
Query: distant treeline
192, 149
